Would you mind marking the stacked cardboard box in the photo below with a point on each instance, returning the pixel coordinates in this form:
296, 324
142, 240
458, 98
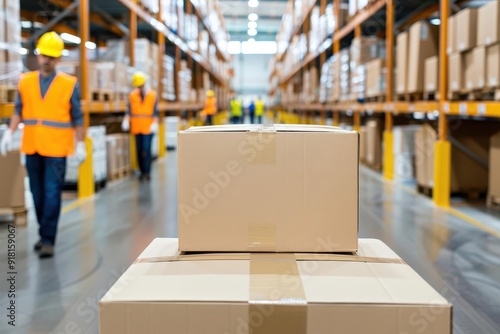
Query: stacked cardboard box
98, 136
345, 75
12, 180
374, 144
362, 51
168, 83
171, 129
11, 65
375, 78
280, 277
404, 152
431, 76
118, 154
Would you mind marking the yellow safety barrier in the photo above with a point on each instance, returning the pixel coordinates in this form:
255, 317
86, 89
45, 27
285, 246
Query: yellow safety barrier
442, 173
86, 173
388, 155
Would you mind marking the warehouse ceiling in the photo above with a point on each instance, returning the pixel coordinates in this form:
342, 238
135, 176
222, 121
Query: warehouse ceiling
270, 13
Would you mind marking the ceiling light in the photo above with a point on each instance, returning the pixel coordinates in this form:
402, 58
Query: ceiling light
23, 51
26, 24
253, 3
436, 21
251, 40
70, 38
252, 25
252, 32
90, 45
253, 17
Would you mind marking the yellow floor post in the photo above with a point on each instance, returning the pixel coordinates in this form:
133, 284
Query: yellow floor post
161, 140
388, 155
86, 173
134, 165
442, 173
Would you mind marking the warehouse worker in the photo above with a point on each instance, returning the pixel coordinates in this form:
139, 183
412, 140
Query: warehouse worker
210, 108
259, 110
236, 111
142, 120
251, 112
48, 103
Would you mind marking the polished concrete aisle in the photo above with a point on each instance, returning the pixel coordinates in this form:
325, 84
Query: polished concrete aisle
99, 238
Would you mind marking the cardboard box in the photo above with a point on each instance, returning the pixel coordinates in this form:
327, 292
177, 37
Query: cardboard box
479, 65
424, 39
494, 177
375, 78
456, 72
374, 144
470, 70
12, 181
493, 65
466, 21
452, 35
488, 29
226, 172
272, 293
425, 139
432, 74
402, 63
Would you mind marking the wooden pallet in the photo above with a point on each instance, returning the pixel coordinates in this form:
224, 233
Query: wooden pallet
103, 95
431, 96
7, 93
375, 99
19, 214
119, 173
487, 94
410, 97
427, 191
493, 202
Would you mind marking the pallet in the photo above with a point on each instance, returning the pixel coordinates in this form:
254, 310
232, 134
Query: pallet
119, 173
375, 99
8, 93
102, 95
486, 94
410, 97
424, 190
121, 97
20, 215
431, 96
493, 202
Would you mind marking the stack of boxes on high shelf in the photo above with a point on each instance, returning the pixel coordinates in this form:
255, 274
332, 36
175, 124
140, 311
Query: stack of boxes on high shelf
11, 64
276, 245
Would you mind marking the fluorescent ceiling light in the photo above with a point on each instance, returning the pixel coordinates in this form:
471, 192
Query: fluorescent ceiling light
23, 51
259, 47
234, 47
90, 45
436, 21
252, 32
70, 38
253, 3
65, 53
253, 17
252, 25
25, 24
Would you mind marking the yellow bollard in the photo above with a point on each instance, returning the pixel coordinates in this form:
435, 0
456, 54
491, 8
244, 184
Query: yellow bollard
442, 173
86, 186
388, 155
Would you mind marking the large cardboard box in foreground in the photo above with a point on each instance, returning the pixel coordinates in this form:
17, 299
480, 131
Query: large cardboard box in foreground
372, 292
245, 188
11, 181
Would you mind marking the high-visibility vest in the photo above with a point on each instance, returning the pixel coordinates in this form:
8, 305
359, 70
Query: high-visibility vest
142, 112
210, 106
259, 108
48, 129
235, 108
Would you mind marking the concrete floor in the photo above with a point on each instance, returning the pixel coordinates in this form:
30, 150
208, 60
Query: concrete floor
99, 238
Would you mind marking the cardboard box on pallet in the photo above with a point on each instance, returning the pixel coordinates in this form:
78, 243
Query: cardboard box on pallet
452, 35
493, 66
374, 144
12, 180
456, 72
432, 74
470, 69
276, 170
466, 21
494, 176
375, 78
423, 41
272, 293
402, 63
479, 59
488, 29
425, 139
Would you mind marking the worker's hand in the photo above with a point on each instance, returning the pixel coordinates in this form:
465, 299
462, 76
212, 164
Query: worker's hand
154, 127
81, 152
6, 143
126, 124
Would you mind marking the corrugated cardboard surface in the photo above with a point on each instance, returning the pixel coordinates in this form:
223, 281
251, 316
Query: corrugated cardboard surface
11, 181
479, 59
488, 24
452, 35
374, 144
432, 74
494, 184
470, 69
273, 293
423, 44
493, 65
242, 190
402, 63
456, 72
425, 139
466, 21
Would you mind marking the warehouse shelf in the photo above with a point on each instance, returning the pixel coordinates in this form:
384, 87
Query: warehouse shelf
476, 108
172, 37
203, 20
297, 28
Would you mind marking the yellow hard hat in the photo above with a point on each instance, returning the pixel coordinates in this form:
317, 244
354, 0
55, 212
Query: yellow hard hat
210, 93
138, 79
51, 45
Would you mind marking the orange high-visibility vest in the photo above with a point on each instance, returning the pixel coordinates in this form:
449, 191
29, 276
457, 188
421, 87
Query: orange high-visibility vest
141, 112
210, 106
48, 129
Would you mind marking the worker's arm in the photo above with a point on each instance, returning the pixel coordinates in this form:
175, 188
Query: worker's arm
16, 118
77, 114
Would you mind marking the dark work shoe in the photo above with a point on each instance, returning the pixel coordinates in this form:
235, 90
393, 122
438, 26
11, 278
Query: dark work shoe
46, 251
38, 246
148, 177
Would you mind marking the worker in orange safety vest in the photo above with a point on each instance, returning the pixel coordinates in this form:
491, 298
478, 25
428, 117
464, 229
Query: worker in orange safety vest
48, 103
210, 108
142, 121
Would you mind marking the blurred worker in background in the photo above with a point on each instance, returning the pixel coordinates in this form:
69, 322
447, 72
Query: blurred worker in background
259, 109
48, 103
210, 107
236, 111
142, 120
251, 112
